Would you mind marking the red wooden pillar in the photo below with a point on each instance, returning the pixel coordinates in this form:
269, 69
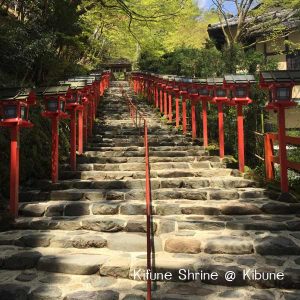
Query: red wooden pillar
90, 119
73, 140
204, 122
194, 130
85, 124
80, 131
14, 170
221, 128
177, 111
161, 101
156, 97
184, 115
54, 152
269, 153
241, 146
170, 108
282, 150
165, 103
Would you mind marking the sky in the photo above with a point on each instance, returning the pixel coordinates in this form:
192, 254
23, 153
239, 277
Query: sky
207, 4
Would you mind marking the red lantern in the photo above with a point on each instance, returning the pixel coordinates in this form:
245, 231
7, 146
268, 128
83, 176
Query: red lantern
55, 105
14, 109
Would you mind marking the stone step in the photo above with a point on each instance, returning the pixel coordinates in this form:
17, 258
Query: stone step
130, 134
141, 153
171, 207
165, 194
140, 166
79, 239
162, 224
83, 159
138, 143
153, 148
204, 169
156, 183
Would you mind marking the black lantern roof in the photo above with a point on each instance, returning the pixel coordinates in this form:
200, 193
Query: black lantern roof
77, 80
40, 90
202, 81
56, 90
186, 80
239, 79
77, 85
96, 76
15, 94
281, 76
215, 81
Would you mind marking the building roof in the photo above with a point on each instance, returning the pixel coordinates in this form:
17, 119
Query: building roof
260, 24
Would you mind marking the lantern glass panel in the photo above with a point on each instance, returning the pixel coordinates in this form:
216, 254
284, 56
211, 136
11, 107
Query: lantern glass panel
10, 112
283, 93
52, 105
204, 92
24, 112
220, 92
241, 92
193, 91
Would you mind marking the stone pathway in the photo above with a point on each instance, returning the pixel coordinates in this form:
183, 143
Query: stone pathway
84, 237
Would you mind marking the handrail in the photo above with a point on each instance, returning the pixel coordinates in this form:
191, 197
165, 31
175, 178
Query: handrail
271, 159
134, 114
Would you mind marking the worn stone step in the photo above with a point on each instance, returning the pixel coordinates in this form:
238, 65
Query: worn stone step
140, 166
79, 239
162, 224
89, 222
132, 147
171, 207
141, 153
156, 183
85, 158
201, 169
138, 142
200, 194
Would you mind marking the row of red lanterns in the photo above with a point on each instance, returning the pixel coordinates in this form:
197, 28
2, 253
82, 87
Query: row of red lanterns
76, 98
233, 90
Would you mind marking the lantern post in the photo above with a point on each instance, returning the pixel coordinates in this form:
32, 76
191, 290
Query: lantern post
183, 91
176, 94
280, 85
169, 89
75, 106
204, 96
161, 86
156, 91
194, 96
55, 104
239, 86
219, 97
14, 114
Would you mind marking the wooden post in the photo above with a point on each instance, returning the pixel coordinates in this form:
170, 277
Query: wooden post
14, 170
221, 128
241, 146
204, 122
54, 153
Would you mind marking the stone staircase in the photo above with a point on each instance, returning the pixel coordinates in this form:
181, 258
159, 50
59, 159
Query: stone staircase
85, 237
